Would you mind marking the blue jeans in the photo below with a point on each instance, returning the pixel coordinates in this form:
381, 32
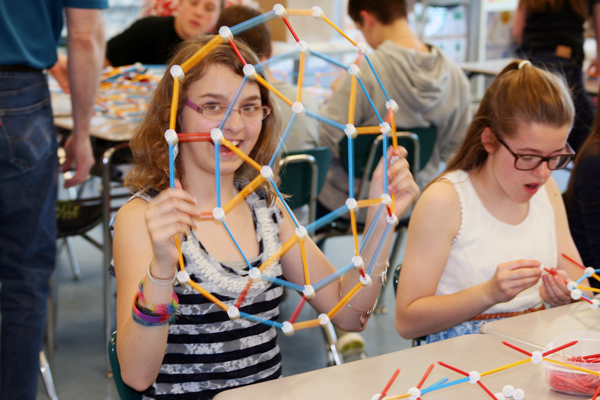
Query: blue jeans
27, 227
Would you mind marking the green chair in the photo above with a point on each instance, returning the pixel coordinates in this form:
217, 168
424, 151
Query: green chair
125, 392
415, 341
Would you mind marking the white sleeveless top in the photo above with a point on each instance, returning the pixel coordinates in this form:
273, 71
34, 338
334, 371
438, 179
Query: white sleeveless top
483, 242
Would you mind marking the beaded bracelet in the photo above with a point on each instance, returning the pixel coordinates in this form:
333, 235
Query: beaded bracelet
153, 314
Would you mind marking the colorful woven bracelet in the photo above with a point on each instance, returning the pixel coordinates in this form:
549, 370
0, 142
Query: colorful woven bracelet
153, 314
156, 309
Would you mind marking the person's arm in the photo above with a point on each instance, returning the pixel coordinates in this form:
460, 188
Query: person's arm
519, 22
434, 223
85, 47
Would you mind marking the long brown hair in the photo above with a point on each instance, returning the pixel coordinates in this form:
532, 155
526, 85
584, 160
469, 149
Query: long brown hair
517, 97
149, 147
579, 7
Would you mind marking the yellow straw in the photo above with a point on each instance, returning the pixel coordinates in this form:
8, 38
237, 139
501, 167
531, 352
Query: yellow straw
208, 295
300, 78
402, 396
354, 233
338, 29
515, 364
352, 101
304, 263
181, 264
272, 89
393, 124
283, 249
174, 103
589, 288
306, 324
589, 371
200, 54
242, 155
251, 187
344, 300
368, 202
306, 13
368, 129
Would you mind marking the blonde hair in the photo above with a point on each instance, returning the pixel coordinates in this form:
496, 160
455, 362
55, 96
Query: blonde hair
149, 147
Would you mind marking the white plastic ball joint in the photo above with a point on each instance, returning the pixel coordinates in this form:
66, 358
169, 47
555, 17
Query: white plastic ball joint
376, 396
316, 12
393, 220
354, 70
171, 136
386, 200
536, 357
183, 277
225, 32
508, 390
216, 135
218, 213
594, 304
576, 294
518, 394
301, 231
279, 10
357, 261
302, 46
177, 72
589, 271
392, 105
499, 396
309, 292
287, 329
266, 172
351, 203
298, 108
323, 319
362, 48
474, 377
385, 128
249, 71
254, 273
350, 131
233, 313
571, 285
365, 280
414, 392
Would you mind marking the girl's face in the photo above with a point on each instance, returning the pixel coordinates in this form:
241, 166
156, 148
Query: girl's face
196, 17
533, 139
216, 89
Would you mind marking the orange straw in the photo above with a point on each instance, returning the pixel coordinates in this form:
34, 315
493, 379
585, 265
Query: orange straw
352, 106
344, 300
272, 89
242, 155
515, 364
282, 250
354, 231
251, 187
200, 54
305, 324
300, 78
304, 263
338, 29
174, 104
306, 13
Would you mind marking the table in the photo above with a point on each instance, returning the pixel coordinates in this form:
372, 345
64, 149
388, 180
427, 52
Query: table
540, 328
362, 379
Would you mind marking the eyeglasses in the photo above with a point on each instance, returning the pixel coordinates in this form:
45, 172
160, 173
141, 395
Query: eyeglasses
528, 162
216, 112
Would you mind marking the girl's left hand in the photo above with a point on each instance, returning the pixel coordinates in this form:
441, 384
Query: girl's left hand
553, 290
400, 180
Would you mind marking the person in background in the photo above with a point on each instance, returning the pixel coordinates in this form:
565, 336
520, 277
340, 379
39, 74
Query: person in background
582, 200
551, 35
29, 33
429, 88
305, 133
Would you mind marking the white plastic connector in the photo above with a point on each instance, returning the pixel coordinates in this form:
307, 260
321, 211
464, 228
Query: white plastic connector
287, 329
414, 392
536, 357
279, 10
177, 72
589, 271
392, 105
394, 159
576, 294
361, 47
298, 108
385, 128
376, 396
350, 131
302, 46
171, 136
365, 280
301, 231
518, 394
218, 213
183, 277
233, 313
571, 285
216, 135
175, 150
139, 66
323, 319
266, 172
508, 390
354, 70
499, 396
594, 304
351, 203
254, 273
386, 200
393, 220
358, 261
225, 32
309, 292
316, 12
249, 71
474, 377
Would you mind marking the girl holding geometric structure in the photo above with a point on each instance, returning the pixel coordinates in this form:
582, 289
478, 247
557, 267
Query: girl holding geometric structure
483, 233
236, 257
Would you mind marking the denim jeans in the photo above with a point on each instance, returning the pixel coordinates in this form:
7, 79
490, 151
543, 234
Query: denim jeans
573, 73
27, 227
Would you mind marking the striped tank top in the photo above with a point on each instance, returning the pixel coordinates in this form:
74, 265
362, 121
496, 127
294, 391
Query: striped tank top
206, 352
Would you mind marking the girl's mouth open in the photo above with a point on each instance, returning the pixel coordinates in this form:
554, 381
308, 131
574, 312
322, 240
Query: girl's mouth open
532, 188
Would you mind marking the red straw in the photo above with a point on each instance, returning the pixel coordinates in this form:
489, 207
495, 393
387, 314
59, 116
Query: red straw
553, 273
595, 395
297, 310
382, 395
443, 364
240, 300
425, 376
512, 346
237, 52
559, 348
389, 210
573, 261
290, 28
362, 273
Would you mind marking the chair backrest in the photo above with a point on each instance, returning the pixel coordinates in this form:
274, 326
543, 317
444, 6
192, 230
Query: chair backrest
303, 175
125, 392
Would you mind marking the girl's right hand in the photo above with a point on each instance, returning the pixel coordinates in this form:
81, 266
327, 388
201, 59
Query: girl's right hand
171, 213
512, 277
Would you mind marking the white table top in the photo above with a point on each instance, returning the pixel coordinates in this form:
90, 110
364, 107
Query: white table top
540, 328
102, 128
362, 379
488, 67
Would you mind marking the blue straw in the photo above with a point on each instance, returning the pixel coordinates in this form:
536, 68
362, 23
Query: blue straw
377, 77
284, 202
445, 385
235, 97
387, 228
171, 166
350, 166
236, 244
218, 173
326, 120
282, 282
362, 85
585, 296
437, 383
276, 58
289, 128
578, 281
332, 216
366, 237
252, 22
327, 58
385, 164
260, 320
327, 280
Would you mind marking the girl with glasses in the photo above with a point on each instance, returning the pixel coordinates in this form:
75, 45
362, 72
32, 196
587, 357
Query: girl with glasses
199, 351
482, 232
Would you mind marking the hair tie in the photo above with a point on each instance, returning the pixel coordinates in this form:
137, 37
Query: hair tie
525, 62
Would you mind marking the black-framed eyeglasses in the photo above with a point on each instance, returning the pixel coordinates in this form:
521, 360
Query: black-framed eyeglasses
528, 162
216, 112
